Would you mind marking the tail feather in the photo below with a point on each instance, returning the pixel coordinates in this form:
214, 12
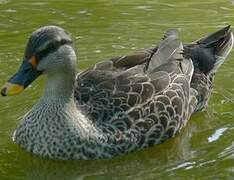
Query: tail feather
209, 52
212, 39
219, 42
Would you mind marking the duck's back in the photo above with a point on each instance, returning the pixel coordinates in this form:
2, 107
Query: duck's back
147, 94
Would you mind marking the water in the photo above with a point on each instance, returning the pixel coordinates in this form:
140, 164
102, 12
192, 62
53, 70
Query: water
103, 29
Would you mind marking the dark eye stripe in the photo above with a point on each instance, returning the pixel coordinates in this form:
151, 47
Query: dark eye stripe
51, 47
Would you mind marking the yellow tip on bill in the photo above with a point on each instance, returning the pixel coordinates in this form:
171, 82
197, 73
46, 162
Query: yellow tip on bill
10, 89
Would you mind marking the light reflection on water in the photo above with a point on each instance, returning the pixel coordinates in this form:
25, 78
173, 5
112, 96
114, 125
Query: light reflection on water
110, 28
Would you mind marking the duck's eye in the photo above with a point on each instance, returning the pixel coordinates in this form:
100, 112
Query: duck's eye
51, 47
47, 50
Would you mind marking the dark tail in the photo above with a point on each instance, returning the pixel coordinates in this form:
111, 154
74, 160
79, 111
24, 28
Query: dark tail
219, 42
208, 54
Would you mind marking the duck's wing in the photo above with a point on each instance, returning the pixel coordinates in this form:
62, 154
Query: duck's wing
140, 92
104, 77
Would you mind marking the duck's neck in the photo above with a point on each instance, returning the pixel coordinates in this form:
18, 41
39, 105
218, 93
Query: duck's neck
59, 87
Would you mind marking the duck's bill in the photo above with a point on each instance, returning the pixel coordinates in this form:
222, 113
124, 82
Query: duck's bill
19, 81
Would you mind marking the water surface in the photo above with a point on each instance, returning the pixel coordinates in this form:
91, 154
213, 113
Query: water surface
102, 29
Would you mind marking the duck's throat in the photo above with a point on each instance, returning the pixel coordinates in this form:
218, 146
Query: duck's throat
59, 86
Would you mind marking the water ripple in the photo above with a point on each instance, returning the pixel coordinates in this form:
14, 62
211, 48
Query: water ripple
218, 133
228, 152
4, 1
185, 165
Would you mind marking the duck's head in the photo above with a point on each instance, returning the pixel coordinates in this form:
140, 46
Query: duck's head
49, 50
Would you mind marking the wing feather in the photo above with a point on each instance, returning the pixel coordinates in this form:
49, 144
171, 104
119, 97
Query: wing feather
148, 93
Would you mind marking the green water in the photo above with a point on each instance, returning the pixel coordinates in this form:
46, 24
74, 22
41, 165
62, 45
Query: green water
103, 29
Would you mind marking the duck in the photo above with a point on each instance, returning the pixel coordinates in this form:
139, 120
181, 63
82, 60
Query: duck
116, 106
